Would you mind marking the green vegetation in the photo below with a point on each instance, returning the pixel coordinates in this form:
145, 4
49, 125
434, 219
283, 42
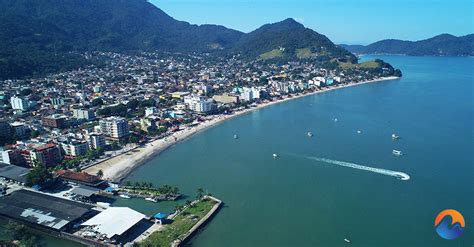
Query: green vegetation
38, 175
365, 65
22, 234
147, 189
181, 224
304, 53
444, 44
275, 53
37, 36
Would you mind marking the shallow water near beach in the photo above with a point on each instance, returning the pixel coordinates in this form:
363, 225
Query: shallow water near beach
297, 201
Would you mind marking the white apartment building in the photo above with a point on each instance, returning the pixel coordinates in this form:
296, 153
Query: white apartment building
21, 104
115, 127
85, 114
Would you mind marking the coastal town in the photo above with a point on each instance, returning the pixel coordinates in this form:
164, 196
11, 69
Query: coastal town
68, 140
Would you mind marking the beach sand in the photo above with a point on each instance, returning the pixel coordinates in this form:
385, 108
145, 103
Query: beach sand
117, 168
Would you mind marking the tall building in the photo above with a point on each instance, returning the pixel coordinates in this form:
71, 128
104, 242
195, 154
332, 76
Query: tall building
19, 129
5, 130
114, 127
199, 104
85, 114
96, 140
55, 121
48, 154
21, 104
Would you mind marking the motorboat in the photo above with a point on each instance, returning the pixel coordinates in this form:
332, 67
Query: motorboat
310, 134
347, 240
397, 152
395, 137
236, 136
275, 155
359, 131
151, 199
125, 196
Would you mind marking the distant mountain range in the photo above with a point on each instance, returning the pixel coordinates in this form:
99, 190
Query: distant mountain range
441, 45
41, 36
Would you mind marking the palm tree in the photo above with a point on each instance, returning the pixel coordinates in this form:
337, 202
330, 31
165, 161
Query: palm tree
150, 185
128, 184
100, 173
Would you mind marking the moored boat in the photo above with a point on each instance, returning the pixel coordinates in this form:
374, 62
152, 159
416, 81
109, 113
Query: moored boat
125, 196
151, 199
397, 152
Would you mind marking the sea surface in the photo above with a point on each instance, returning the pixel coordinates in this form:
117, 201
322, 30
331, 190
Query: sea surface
298, 200
305, 197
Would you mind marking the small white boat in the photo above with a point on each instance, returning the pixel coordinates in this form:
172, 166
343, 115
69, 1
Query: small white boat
275, 155
397, 152
236, 136
310, 134
358, 132
347, 240
150, 199
395, 137
335, 120
125, 196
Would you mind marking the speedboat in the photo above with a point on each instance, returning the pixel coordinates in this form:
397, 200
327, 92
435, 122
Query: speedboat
151, 199
236, 136
347, 240
395, 137
358, 132
310, 134
125, 196
397, 152
275, 155
335, 120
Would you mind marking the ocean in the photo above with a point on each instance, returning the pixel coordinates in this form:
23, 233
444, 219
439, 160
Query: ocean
299, 200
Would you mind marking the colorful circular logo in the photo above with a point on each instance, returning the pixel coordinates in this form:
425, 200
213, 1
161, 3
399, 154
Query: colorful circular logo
449, 224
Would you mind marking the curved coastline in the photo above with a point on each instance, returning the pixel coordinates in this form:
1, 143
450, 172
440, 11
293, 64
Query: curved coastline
118, 168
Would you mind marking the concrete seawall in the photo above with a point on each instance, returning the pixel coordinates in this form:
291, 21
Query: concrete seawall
200, 223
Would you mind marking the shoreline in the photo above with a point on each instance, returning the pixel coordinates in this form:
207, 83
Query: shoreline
119, 167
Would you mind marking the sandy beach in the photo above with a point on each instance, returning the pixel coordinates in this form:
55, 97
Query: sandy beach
117, 168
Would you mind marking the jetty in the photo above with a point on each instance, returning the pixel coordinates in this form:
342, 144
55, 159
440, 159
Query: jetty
179, 227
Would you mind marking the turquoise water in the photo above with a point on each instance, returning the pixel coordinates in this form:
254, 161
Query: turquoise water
297, 200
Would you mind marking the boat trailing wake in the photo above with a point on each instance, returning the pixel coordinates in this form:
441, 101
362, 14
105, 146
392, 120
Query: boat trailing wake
397, 174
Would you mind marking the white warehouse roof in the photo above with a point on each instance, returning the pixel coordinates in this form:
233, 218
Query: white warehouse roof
114, 221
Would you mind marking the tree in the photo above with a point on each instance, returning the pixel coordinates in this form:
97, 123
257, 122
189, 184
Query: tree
137, 184
97, 102
38, 175
128, 184
22, 234
100, 173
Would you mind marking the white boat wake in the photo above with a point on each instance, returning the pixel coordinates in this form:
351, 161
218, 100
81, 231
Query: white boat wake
397, 174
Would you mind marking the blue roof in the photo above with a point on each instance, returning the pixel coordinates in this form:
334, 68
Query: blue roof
160, 216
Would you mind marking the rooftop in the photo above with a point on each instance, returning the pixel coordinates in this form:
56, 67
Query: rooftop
114, 221
16, 173
41, 209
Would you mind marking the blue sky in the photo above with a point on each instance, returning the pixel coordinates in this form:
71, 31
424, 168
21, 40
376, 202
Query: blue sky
343, 21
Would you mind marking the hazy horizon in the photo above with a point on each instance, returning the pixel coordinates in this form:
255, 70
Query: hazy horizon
432, 17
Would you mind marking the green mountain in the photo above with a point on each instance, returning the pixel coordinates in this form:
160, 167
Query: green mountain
37, 36
289, 39
43, 36
441, 45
